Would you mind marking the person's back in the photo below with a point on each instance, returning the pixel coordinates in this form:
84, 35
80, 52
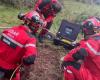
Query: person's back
76, 70
92, 61
93, 48
49, 9
17, 46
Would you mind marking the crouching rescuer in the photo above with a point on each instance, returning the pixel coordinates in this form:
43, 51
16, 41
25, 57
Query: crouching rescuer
83, 62
17, 46
49, 9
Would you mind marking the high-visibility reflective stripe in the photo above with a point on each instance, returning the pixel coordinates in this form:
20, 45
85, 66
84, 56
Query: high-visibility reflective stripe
92, 49
69, 71
30, 45
15, 42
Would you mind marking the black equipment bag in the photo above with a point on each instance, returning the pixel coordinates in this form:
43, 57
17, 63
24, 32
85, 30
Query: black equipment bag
68, 30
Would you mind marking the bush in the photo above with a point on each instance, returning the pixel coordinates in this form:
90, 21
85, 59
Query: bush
19, 3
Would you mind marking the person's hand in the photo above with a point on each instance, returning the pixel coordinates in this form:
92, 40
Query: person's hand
21, 16
44, 23
63, 65
38, 10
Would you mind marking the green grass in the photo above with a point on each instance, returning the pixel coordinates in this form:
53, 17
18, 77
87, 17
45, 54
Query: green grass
75, 11
8, 16
72, 11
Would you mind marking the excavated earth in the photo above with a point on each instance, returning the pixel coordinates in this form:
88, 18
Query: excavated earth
47, 64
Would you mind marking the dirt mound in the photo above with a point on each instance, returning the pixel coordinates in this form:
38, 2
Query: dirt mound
47, 64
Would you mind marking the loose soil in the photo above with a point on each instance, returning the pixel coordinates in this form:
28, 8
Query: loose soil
47, 64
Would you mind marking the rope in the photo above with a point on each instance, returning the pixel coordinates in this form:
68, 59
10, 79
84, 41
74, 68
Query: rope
15, 71
4, 27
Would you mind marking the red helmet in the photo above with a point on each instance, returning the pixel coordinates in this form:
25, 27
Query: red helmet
91, 26
32, 17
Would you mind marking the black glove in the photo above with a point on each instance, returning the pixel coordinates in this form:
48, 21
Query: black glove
29, 60
65, 64
80, 55
70, 63
76, 65
21, 16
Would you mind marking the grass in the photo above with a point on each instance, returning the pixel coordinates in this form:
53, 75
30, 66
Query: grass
72, 11
75, 11
8, 16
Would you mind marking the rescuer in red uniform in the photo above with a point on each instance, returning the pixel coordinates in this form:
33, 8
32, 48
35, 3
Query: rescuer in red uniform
91, 63
17, 46
89, 25
48, 9
74, 68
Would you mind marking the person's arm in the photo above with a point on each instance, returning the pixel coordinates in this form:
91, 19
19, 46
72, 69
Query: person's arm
69, 74
30, 52
49, 18
68, 56
36, 7
41, 4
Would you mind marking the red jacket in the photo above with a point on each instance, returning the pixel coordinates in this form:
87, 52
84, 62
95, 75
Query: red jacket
92, 61
15, 45
82, 74
45, 9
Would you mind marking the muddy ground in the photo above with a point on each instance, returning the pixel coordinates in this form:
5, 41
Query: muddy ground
47, 64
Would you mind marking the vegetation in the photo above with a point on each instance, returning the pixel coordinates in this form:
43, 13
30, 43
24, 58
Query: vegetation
19, 3
8, 15
47, 64
72, 11
76, 12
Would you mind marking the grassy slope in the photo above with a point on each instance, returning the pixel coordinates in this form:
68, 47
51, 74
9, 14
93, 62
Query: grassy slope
8, 16
71, 11
74, 10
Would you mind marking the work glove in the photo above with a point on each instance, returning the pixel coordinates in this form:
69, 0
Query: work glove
44, 23
67, 63
29, 60
70, 63
64, 65
21, 16
80, 55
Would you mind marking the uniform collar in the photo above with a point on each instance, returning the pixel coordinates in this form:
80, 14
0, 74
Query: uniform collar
25, 27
